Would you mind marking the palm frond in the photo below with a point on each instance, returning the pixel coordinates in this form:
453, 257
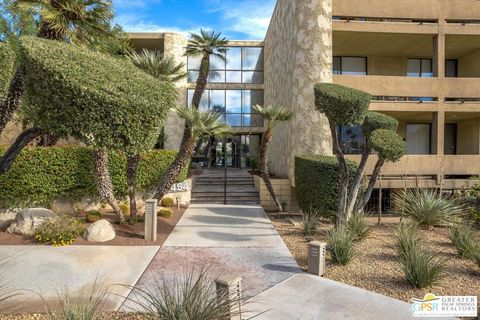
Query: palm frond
159, 66
207, 42
273, 114
203, 123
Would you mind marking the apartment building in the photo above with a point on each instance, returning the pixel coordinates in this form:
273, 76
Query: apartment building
420, 60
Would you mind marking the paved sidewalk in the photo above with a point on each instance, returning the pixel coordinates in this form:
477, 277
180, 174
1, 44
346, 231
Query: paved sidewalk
238, 240
48, 270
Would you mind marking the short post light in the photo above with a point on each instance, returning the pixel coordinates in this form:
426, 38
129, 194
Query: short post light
151, 220
230, 289
316, 257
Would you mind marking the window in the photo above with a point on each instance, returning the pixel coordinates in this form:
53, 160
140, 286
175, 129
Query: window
352, 140
243, 65
450, 140
350, 65
419, 68
451, 68
234, 105
418, 138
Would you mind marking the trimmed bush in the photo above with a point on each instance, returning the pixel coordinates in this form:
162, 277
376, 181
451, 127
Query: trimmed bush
463, 239
59, 231
41, 175
317, 183
341, 105
98, 99
429, 207
165, 212
167, 202
341, 245
93, 216
375, 120
7, 68
388, 144
359, 226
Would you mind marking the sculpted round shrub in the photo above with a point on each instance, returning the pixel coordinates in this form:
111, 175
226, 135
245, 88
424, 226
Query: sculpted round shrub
100, 100
7, 68
93, 216
167, 202
375, 120
59, 231
388, 144
165, 212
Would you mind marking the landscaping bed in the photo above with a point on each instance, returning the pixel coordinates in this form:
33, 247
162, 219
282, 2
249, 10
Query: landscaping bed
126, 235
375, 267
105, 316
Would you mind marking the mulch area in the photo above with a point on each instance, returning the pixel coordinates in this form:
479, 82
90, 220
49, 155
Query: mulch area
375, 267
127, 235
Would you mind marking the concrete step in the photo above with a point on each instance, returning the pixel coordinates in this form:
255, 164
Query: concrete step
229, 198
220, 194
221, 180
220, 201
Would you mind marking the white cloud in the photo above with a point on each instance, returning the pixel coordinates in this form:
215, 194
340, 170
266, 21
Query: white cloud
142, 26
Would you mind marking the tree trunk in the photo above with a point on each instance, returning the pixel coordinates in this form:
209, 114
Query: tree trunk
133, 163
104, 182
201, 82
48, 140
173, 172
371, 183
266, 139
352, 199
343, 190
21, 142
12, 101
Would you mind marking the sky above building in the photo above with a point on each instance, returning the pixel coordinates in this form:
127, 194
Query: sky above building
236, 19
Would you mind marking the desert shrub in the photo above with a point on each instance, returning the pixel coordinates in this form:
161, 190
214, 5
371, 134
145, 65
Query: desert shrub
472, 203
125, 208
59, 231
98, 99
429, 207
310, 221
86, 304
358, 225
421, 266
40, 175
317, 183
463, 239
93, 216
192, 296
341, 245
7, 68
165, 212
167, 202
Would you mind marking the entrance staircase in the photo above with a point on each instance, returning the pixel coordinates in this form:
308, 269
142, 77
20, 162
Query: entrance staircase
209, 187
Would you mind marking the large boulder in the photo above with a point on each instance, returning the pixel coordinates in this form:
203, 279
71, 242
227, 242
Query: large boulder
27, 220
100, 231
7, 216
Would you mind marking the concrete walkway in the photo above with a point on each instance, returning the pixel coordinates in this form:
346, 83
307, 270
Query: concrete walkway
237, 240
48, 270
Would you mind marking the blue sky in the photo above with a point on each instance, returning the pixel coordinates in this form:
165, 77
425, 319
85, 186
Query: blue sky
236, 19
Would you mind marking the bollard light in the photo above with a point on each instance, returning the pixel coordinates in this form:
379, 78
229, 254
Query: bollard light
150, 220
230, 288
316, 257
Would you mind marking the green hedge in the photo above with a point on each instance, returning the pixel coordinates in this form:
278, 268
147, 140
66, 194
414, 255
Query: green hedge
40, 175
317, 182
7, 65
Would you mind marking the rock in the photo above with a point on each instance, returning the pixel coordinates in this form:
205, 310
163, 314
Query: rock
27, 220
7, 216
99, 231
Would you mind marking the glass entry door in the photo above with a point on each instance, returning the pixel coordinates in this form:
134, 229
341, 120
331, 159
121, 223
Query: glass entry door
242, 151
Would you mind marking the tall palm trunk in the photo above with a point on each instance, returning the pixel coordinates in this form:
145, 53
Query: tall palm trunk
9, 106
266, 139
133, 163
173, 172
202, 79
21, 142
104, 181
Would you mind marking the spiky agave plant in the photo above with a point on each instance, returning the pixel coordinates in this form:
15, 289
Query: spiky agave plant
429, 207
156, 64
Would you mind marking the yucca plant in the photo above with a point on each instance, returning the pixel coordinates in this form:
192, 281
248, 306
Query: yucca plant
429, 207
358, 225
341, 245
85, 305
192, 296
310, 221
407, 238
463, 239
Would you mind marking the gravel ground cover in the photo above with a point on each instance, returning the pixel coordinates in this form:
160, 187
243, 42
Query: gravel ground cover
375, 267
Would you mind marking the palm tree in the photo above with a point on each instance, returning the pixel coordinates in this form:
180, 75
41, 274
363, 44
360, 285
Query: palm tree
203, 45
272, 115
159, 66
59, 20
199, 124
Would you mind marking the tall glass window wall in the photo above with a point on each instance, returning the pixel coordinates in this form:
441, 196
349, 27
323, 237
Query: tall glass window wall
234, 105
243, 65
